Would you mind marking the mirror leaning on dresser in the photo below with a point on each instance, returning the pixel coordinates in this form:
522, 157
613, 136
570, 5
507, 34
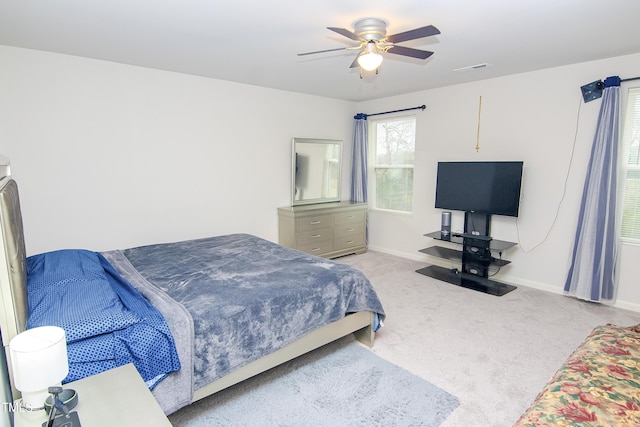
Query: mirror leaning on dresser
318, 222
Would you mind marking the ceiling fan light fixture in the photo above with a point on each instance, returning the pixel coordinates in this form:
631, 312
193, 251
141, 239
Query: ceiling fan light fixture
370, 59
372, 39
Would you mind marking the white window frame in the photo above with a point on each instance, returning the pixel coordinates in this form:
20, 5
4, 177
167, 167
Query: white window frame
373, 123
630, 114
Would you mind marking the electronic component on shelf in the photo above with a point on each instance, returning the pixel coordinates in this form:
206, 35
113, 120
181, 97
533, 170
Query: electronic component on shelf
472, 236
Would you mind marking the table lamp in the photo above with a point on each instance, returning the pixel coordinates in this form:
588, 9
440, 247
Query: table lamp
38, 361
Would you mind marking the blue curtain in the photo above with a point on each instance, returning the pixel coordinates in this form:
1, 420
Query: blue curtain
359, 163
591, 276
359, 160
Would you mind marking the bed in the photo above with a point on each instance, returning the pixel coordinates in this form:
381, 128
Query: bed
232, 306
598, 384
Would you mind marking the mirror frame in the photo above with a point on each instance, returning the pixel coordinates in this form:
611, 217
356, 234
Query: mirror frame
299, 142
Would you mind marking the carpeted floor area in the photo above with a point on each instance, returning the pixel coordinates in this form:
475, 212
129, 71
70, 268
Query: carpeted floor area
341, 384
493, 353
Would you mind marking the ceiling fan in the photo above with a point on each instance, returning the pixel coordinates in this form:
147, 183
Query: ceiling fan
371, 35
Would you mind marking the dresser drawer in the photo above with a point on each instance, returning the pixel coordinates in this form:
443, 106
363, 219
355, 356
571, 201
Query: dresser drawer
348, 229
314, 222
310, 236
317, 248
348, 242
350, 216
328, 230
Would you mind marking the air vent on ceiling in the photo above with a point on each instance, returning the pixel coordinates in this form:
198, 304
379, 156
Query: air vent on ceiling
473, 67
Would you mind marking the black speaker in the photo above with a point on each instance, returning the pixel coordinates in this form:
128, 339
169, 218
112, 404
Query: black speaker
445, 227
592, 91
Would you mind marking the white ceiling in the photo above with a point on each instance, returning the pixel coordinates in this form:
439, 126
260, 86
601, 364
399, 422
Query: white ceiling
256, 42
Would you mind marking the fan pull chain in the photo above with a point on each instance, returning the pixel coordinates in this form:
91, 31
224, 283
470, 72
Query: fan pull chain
478, 136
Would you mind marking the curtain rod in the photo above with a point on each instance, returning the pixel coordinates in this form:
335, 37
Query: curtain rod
363, 115
592, 91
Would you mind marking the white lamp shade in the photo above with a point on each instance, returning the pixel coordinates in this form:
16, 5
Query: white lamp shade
370, 61
38, 361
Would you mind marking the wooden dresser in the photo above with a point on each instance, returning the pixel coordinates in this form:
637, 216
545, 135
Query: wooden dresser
325, 229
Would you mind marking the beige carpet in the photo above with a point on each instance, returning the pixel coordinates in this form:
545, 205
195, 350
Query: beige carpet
493, 353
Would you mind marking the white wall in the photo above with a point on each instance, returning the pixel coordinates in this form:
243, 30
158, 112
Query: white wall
147, 156
534, 117
111, 156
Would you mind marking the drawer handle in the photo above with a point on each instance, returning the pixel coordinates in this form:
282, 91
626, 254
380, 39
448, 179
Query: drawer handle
350, 217
350, 241
350, 229
315, 249
315, 236
315, 222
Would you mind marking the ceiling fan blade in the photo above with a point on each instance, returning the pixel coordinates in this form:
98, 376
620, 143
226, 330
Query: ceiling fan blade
408, 51
355, 64
418, 33
322, 51
346, 33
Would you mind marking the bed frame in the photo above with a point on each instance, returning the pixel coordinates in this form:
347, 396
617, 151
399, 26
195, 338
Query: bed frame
13, 299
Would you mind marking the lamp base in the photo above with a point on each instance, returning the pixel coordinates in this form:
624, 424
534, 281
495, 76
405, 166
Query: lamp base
33, 400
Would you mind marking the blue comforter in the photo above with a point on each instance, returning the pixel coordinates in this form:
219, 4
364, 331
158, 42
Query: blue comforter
106, 321
249, 297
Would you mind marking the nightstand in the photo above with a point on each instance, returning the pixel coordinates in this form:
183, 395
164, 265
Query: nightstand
118, 397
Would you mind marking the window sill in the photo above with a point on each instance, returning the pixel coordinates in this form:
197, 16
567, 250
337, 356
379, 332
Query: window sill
391, 212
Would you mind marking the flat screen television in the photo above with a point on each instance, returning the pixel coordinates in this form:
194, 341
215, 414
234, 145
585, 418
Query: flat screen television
483, 187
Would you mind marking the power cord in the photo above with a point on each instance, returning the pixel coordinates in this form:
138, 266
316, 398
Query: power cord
499, 267
564, 191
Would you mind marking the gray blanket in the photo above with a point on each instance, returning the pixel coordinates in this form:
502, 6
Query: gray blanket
246, 296
175, 391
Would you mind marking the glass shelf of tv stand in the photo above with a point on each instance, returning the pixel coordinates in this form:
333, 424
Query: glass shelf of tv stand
456, 256
458, 238
460, 278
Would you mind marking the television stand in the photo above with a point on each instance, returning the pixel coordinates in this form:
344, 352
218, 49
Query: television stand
475, 259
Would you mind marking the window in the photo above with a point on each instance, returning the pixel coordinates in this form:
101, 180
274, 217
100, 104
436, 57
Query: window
630, 169
393, 142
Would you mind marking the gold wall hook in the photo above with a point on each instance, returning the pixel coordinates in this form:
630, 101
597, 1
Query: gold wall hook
478, 135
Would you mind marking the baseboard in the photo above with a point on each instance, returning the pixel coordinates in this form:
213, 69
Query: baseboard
621, 304
513, 280
529, 283
416, 257
631, 306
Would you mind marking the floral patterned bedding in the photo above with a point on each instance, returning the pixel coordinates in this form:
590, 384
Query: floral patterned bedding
598, 385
